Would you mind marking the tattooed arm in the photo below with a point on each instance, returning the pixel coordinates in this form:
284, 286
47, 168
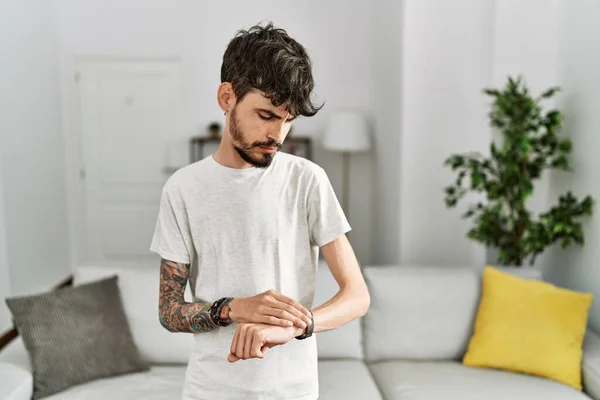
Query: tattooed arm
177, 315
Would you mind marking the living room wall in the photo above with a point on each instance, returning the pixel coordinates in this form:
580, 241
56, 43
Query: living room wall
446, 61
416, 66
32, 154
4, 272
451, 51
577, 73
337, 37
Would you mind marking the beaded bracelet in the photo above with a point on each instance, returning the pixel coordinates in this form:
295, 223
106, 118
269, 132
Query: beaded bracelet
216, 311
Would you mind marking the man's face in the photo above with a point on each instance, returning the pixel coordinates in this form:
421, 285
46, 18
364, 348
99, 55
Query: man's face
258, 128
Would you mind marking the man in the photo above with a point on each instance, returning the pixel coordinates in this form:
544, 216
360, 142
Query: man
244, 226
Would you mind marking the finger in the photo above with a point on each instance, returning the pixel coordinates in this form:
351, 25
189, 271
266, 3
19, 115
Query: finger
235, 341
298, 313
239, 350
289, 301
272, 320
287, 315
264, 350
257, 344
232, 358
248, 344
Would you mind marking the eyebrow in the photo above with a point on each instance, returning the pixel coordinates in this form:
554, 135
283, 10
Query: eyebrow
272, 114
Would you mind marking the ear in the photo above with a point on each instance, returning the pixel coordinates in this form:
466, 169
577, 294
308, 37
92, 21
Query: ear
226, 96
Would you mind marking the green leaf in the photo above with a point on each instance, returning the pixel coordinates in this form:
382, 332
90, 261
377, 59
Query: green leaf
558, 228
491, 92
560, 162
525, 145
553, 117
565, 145
527, 190
550, 92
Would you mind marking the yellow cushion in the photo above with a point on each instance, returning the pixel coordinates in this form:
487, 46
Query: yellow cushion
529, 326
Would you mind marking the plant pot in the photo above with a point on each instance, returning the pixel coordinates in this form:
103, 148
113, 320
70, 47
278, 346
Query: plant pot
526, 271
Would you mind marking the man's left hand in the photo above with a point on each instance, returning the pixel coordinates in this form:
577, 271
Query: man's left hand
253, 340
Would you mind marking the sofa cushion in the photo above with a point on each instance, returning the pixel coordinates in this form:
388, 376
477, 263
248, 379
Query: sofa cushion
75, 335
450, 380
16, 383
16, 379
159, 383
420, 312
346, 380
16, 353
344, 342
139, 289
530, 326
591, 364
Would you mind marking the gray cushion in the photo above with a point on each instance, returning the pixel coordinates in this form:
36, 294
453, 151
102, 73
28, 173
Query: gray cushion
420, 312
346, 380
450, 380
75, 335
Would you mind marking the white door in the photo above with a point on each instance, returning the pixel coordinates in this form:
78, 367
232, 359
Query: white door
128, 114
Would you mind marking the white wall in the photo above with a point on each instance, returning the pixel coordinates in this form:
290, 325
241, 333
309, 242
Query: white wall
444, 54
416, 67
4, 271
449, 53
446, 60
337, 37
577, 70
387, 66
31, 147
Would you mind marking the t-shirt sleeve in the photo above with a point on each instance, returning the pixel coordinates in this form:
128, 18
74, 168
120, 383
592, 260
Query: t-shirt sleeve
172, 238
326, 219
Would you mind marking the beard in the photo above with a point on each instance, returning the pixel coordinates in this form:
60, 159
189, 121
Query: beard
244, 148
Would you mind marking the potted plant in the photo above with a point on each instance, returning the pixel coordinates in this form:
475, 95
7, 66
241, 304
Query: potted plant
528, 145
214, 129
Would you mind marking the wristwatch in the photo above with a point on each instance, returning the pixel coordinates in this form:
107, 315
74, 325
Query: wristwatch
309, 329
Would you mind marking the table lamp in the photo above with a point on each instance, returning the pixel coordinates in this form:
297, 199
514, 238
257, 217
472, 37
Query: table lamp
347, 132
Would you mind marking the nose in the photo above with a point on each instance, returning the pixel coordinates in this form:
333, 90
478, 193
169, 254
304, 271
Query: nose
278, 133
272, 139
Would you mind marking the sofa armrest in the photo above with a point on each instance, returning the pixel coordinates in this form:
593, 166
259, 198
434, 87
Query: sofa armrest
591, 365
16, 383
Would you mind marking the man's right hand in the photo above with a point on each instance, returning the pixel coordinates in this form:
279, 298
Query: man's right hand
271, 308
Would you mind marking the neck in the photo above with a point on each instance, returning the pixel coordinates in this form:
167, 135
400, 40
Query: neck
227, 156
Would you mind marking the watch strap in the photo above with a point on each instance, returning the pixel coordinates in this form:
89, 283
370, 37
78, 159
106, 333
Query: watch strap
309, 329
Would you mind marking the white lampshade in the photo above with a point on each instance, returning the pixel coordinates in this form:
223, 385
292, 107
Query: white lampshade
347, 131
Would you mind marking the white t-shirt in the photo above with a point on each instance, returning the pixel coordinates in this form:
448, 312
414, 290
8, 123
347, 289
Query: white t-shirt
245, 231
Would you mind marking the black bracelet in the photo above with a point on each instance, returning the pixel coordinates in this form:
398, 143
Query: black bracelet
310, 329
216, 309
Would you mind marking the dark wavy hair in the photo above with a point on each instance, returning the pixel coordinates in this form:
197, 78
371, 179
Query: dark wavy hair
267, 59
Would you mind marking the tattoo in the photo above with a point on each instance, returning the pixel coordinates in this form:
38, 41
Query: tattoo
175, 314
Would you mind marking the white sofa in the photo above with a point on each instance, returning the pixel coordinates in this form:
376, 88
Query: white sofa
408, 346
